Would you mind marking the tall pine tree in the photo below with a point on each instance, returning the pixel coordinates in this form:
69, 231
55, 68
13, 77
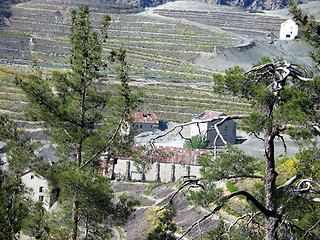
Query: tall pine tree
83, 122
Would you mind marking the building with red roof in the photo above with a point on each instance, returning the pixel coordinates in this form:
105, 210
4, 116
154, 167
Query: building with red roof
145, 121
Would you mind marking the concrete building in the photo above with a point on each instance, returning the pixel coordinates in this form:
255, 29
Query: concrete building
289, 30
39, 188
169, 164
145, 121
204, 125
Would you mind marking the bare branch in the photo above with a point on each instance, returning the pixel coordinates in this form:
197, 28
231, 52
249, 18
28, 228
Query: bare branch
193, 182
246, 176
216, 127
251, 215
255, 69
290, 181
310, 229
281, 71
216, 209
249, 197
316, 127
306, 181
237, 220
304, 79
105, 147
284, 144
181, 126
200, 230
256, 136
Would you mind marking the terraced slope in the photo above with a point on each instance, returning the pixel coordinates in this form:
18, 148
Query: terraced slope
247, 24
181, 104
161, 53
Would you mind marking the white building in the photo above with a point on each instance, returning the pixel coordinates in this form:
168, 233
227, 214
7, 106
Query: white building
289, 30
39, 188
205, 127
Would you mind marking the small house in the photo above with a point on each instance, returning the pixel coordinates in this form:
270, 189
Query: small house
289, 30
205, 126
39, 188
145, 122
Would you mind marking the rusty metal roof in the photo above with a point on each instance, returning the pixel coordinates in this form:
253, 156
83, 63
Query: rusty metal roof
145, 117
208, 115
176, 154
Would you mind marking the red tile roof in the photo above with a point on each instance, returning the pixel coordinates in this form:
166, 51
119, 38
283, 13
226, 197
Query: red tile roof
207, 115
145, 117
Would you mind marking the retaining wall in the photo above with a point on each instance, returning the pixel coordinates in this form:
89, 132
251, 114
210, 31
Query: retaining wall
162, 172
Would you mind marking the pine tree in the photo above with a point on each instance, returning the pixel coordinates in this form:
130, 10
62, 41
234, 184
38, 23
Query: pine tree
83, 121
15, 202
285, 101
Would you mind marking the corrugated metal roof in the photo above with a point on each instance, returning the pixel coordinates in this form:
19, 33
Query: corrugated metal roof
145, 117
176, 154
208, 115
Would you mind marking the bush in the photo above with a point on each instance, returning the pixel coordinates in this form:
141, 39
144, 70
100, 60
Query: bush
198, 142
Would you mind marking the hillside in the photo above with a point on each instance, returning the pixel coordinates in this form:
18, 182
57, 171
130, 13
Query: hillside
172, 51
154, 196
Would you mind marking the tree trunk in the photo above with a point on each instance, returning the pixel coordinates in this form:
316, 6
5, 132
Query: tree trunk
75, 203
270, 187
74, 218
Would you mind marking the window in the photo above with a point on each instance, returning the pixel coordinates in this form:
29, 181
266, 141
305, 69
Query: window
32, 176
40, 189
40, 198
140, 126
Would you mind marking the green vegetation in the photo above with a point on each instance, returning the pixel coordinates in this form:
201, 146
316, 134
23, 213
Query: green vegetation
282, 105
159, 52
198, 142
83, 122
164, 227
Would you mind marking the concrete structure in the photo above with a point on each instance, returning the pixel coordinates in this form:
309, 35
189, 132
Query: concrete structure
160, 171
39, 188
204, 125
175, 163
145, 121
289, 30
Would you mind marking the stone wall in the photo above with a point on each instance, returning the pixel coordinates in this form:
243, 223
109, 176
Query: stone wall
124, 169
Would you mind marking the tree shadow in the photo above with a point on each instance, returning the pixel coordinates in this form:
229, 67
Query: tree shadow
163, 125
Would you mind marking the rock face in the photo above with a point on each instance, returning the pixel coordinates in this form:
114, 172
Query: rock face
259, 4
250, 4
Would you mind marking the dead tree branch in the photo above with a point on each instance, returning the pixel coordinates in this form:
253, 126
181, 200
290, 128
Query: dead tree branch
180, 127
190, 182
105, 147
280, 71
249, 197
310, 229
246, 176
240, 218
290, 181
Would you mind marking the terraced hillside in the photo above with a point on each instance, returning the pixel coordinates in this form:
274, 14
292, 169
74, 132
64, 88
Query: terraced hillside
247, 24
162, 45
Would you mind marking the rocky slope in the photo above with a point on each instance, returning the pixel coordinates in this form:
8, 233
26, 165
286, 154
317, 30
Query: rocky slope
250, 4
